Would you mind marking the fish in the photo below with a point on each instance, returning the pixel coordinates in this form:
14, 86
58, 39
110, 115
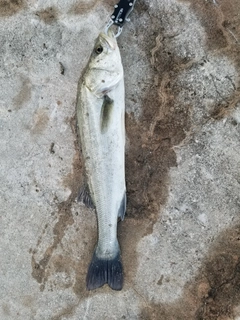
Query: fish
101, 124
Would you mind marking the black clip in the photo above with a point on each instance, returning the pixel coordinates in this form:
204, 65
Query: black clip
122, 11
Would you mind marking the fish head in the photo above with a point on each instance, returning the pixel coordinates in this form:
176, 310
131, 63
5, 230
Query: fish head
105, 55
105, 66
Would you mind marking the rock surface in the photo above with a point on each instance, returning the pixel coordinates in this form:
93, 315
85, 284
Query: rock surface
180, 239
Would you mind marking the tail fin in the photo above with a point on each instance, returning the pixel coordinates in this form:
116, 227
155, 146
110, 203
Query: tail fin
105, 271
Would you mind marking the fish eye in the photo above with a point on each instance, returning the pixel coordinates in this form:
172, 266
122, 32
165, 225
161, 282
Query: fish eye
99, 49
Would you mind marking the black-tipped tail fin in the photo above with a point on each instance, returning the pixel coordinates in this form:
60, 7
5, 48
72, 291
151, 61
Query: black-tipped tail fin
103, 271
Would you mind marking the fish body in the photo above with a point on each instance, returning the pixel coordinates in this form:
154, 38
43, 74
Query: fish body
100, 115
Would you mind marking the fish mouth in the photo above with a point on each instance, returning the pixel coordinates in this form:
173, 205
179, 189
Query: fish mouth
109, 38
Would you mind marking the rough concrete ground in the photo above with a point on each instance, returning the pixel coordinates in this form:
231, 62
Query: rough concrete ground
180, 239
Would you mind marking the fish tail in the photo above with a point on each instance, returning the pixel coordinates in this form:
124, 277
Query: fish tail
103, 271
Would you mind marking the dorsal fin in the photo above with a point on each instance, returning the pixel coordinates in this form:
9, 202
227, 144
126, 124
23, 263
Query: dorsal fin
122, 208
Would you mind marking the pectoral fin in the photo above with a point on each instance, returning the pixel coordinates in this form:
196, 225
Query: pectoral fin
106, 113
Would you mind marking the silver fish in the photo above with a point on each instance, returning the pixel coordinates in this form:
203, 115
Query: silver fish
101, 122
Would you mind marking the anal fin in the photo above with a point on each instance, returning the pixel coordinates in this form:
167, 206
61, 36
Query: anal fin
85, 197
122, 208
